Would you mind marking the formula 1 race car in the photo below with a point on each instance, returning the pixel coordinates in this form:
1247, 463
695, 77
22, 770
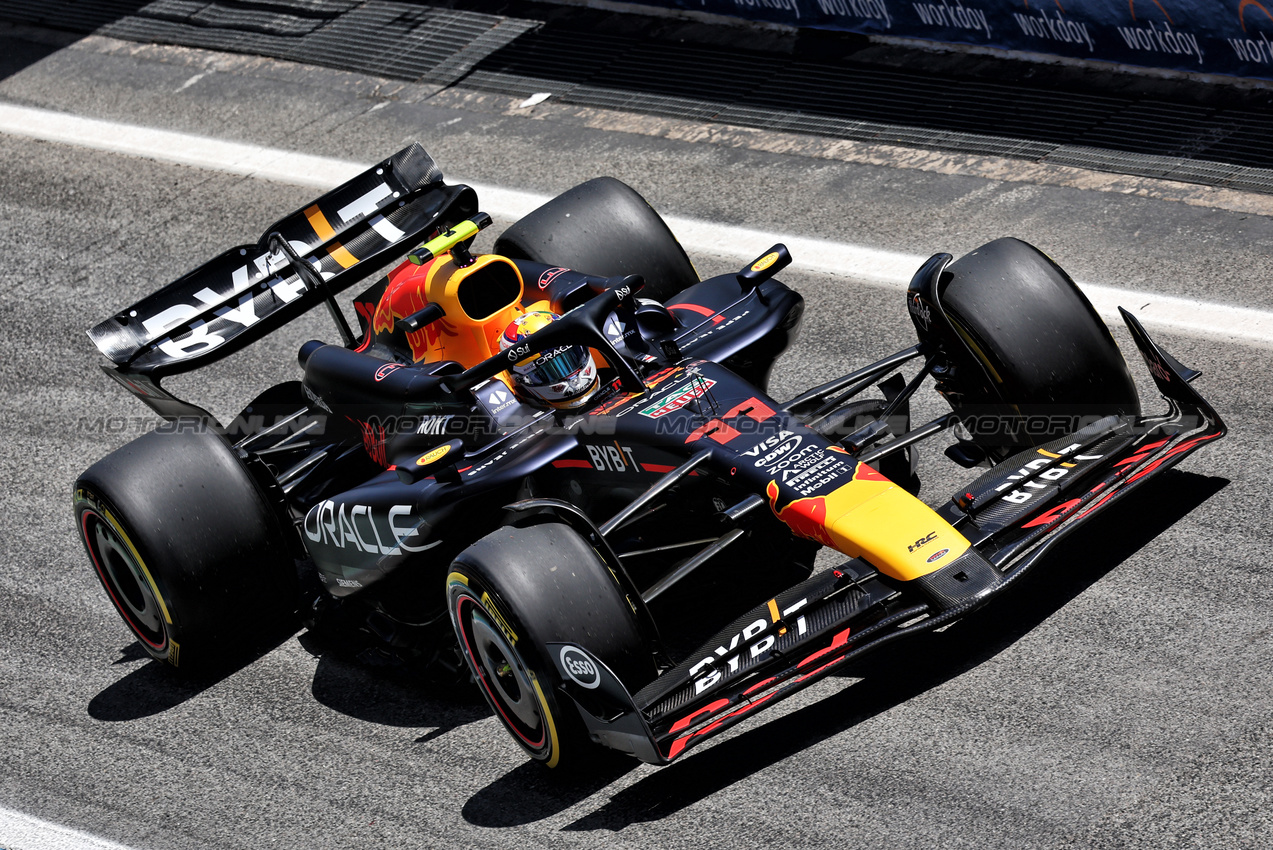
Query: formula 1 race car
556, 467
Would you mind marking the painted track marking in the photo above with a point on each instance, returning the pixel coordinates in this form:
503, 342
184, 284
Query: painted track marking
19, 831
871, 266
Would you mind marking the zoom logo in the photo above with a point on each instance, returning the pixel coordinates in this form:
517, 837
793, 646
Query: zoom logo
579, 667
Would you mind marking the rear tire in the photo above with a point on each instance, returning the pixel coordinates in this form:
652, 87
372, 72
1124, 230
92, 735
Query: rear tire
1049, 358
188, 549
603, 227
518, 589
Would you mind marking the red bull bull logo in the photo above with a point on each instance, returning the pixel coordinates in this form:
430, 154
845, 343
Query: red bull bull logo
405, 297
805, 517
871, 518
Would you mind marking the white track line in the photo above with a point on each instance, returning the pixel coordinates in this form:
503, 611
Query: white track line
872, 266
862, 264
20, 831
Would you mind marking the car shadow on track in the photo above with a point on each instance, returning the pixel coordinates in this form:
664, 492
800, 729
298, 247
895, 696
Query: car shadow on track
386, 696
529, 793
394, 698
155, 687
890, 677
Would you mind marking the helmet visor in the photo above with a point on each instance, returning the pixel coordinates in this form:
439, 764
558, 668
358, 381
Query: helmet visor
554, 367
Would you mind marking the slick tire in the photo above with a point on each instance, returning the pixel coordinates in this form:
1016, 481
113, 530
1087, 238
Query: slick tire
1049, 358
188, 549
518, 589
603, 227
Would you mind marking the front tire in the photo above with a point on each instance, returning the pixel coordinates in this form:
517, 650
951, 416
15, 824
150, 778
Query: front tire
518, 589
1050, 362
187, 548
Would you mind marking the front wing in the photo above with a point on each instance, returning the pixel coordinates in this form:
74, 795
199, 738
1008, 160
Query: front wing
1013, 515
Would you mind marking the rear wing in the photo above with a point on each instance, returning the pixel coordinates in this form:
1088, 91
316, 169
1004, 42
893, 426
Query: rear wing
252, 290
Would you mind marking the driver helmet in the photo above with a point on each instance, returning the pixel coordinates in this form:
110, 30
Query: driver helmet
560, 377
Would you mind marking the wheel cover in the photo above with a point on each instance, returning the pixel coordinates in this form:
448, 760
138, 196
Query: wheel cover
126, 580
505, 673
505, 679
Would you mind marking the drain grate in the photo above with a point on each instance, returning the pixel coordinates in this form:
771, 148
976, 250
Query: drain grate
408, 41
1126, 134
393, 40
533, 63
1214, 135
1248, 141
285, 21
71, 15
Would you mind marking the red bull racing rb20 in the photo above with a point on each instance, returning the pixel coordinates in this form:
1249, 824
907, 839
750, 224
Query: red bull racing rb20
556, 468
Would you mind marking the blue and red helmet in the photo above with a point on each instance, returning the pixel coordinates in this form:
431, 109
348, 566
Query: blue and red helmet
560, 377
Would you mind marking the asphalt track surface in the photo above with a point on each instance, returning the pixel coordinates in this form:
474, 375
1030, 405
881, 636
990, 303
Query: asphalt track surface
1119, 699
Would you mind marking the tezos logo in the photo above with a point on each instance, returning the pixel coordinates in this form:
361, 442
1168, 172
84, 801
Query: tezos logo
579, 667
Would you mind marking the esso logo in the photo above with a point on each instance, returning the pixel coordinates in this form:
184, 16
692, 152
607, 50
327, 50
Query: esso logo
579, 667
938, 555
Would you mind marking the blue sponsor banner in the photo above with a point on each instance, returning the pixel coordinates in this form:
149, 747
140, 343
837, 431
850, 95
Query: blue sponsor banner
1231, 37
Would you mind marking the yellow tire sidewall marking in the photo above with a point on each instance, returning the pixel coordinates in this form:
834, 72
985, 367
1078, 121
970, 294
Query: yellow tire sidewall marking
150, 580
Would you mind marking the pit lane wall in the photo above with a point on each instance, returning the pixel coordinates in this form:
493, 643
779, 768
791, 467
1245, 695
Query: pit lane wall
1229, 37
